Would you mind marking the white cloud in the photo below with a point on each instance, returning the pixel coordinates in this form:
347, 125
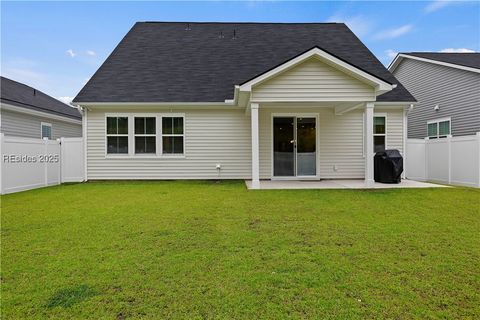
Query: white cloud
65, 100
71, 53
91, 53
437, 5
359, 24
457, 50
391, 54
394, 33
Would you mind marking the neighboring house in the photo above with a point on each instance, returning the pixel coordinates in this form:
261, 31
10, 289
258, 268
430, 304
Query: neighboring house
447, 87
27, 112
240, 101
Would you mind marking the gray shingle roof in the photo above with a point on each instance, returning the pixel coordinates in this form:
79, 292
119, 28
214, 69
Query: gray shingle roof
202, 62
471, 60
21, 95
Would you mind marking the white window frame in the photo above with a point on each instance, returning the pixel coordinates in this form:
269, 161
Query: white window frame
384, 115
145, 135
116, 134
172, 135
46, 124
158, 134
437, 121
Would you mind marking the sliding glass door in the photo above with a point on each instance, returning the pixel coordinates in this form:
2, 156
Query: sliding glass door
294, 146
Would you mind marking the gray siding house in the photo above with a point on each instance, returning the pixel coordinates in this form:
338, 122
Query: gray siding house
279, 101
30, 113
447, 88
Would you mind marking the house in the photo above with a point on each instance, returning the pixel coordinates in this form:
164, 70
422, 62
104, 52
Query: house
240, 101
28, 112
447, 87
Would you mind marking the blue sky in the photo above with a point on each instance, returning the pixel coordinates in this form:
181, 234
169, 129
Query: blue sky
57, 46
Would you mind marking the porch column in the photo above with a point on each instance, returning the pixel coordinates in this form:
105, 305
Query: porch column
369, 182
255, 147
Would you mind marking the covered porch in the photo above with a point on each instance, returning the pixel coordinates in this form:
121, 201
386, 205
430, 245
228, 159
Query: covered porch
312, 142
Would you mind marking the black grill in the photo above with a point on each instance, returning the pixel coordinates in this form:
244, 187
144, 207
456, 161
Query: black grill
388, 166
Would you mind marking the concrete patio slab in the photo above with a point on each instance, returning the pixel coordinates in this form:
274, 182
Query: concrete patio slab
339, 184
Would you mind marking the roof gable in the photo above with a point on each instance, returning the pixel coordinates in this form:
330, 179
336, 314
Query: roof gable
203, 62
326, 58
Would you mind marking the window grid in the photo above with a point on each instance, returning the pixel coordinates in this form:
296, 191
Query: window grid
175, 137
438, 129
175, 134
116, 134
46, 130
382, 134
145, 135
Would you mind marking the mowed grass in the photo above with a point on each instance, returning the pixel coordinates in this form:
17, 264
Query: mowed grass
206, 250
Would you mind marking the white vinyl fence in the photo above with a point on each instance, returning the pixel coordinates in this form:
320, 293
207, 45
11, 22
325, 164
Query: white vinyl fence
28, 163
451, 160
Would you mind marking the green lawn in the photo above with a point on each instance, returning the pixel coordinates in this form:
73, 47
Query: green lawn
197, 250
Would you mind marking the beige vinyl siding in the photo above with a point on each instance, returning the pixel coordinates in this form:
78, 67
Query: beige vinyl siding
394, 128
211, 137
313, 80
457, 92
29, 126
341, 140
223, 137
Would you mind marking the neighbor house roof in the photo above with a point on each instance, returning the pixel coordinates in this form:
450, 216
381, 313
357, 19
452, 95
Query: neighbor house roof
464, 61
471, 60
202, 62
21, 95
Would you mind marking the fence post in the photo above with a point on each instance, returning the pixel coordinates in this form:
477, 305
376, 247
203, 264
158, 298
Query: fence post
60, 165
449, 150
45, 144
425, 150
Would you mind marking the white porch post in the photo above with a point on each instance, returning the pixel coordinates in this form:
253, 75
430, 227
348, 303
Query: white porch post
255, 147
369, 182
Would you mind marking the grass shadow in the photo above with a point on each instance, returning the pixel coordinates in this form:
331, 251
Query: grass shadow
69, 296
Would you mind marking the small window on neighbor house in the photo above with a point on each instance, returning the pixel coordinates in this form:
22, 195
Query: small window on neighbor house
46, 131
379, 133
117, 135
438, 129
172, 135
145, 139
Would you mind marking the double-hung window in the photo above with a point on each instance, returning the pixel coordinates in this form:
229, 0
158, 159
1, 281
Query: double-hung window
379, 133
172, 135
117, 135
438, 128
145, 135
46, 130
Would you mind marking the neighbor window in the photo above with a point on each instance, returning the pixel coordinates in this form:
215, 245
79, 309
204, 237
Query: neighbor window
46, 130
172, 135
145, 139
379, 133
117, 135
438, 128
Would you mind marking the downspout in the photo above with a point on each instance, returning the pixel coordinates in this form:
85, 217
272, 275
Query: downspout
83, 111
405, 138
